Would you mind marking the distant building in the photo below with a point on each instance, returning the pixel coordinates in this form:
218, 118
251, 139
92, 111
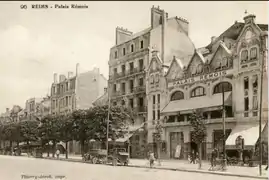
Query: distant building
32, 109
129, 58
76, 92
5, 117
230, 63
102, 100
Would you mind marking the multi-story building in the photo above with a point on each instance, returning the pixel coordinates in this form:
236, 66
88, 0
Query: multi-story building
129, 59
5, 117
32, 109
230, 63
77, 91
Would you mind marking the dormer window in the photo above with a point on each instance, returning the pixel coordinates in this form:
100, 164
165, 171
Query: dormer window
157, 77
244, 55
253, 53
199, 68
224, 62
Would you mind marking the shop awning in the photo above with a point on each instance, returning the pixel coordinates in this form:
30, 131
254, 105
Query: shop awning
249, 132
198, 103
123, 139
136, 127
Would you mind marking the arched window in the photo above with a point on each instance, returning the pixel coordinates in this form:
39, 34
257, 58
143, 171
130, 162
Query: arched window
253, 53
226, 87
178, 95
244, 55
199, 91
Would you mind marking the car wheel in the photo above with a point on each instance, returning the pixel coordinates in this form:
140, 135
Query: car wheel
94, 160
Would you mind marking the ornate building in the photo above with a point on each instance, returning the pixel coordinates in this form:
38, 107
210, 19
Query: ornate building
231, 62
130, 57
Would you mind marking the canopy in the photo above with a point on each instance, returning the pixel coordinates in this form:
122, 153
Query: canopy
186, 105
249, 132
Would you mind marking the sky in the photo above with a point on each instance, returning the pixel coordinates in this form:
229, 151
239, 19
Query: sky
35, 43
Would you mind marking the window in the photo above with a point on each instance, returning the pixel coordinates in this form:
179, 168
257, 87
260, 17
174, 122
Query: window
132, 48
159, 98
141, 64
157, 78
123, 51
131, 86
66, 101
131, 66
160, 20
141, 82
141, 44
255, 82
123, 69
244, 55
69, 100
115, 71
152, 79
132, 103
199, 91
246, 102
153, 99
158, 114
123, 87
255, 103
115, 87
253, 53
153, 115
66, 86
224, 62
246, 83
141, 102
225, 85
178, 95
116, 54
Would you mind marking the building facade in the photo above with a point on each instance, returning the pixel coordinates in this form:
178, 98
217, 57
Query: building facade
231, 62
129, 59
77, 91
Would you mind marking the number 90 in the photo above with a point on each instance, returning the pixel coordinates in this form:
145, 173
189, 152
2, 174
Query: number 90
23, 6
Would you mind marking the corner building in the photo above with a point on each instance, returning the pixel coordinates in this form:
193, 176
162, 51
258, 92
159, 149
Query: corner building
129, 59
232, 60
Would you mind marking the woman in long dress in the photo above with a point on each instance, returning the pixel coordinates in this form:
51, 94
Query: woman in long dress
178, 151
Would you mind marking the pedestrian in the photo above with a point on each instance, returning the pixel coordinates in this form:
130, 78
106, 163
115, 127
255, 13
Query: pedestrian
58, 153
193, 157
213, 159
151, 159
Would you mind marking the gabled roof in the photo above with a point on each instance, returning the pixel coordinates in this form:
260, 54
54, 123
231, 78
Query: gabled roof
176, 60
155, 55
221, 45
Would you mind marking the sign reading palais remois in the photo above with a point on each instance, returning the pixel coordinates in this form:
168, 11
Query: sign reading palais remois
197, 78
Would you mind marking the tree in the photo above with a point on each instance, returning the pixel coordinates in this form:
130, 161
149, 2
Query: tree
199, 131
29, 131
66, 131
158, 139
11, 132
49, 130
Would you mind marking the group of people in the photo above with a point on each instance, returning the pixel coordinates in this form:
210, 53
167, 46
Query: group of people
193, 157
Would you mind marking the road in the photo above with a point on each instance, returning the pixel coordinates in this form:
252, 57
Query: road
12, 168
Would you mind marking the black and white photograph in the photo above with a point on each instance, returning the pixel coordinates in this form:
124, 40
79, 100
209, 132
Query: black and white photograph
133, 90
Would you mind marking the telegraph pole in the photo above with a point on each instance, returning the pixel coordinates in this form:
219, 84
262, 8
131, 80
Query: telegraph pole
107, 124
260, 116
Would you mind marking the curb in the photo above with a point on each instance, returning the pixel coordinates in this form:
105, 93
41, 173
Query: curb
171, 169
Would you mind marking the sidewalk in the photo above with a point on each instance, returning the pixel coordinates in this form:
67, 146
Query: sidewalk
183, 165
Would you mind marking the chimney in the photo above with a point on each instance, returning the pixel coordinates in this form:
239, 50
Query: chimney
55, 78
213, 38
70, 74
62, 78
105, 90
158, 16
250, 19
77, 69
122, 35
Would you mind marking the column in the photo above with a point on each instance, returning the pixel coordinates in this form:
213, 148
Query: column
209, 142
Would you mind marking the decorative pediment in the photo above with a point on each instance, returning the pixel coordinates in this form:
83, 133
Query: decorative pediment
175, 70
155, 63
196, 64
222, 58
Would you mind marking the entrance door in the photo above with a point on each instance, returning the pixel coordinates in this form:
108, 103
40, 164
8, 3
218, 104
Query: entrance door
176, 145
194, 147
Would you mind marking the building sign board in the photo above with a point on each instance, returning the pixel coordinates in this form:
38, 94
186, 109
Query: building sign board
198, 78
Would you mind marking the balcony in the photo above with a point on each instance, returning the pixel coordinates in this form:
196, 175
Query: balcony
126, 73
139, 89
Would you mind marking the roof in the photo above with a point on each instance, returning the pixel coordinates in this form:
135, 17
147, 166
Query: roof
263, 27
196, 103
